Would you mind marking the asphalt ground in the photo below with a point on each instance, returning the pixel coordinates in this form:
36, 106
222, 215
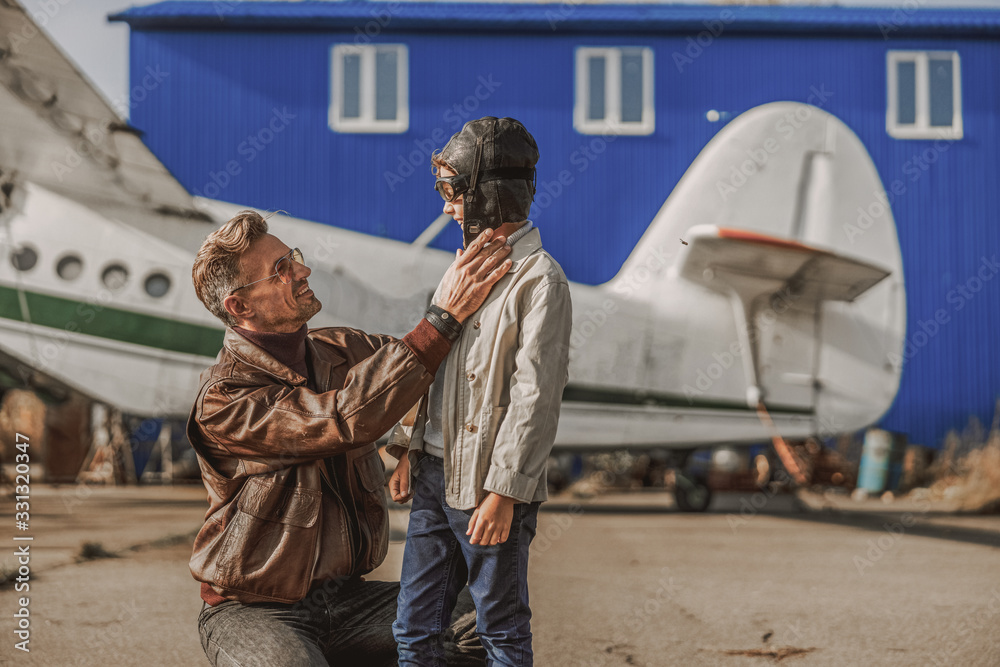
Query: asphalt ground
619, 579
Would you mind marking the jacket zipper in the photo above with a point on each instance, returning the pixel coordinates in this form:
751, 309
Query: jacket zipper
327, 478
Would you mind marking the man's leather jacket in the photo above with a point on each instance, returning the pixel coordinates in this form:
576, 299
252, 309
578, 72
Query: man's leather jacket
295, 483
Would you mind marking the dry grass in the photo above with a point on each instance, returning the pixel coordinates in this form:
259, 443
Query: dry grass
968, 471
94, 551
972, 481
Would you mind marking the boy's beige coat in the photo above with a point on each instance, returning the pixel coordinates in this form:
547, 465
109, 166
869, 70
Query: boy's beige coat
504, 381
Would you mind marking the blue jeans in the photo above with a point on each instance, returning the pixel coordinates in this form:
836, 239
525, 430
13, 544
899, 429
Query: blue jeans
438, 561
340, 623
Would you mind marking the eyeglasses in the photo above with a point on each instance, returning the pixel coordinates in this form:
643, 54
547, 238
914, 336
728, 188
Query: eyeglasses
283, 268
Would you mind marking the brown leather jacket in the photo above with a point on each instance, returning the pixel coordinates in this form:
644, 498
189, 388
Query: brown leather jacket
267, 440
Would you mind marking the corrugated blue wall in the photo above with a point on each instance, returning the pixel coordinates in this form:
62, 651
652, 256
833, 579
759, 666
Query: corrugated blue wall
221, 88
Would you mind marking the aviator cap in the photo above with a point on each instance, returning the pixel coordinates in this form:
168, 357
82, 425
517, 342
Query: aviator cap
498, 156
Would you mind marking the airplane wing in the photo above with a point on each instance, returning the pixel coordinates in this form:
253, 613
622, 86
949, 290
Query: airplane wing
733, 257
54, 122
77, 182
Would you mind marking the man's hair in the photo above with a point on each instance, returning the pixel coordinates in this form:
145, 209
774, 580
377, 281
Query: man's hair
217, 270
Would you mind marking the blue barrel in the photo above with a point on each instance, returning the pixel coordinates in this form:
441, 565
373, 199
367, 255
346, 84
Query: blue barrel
874, 469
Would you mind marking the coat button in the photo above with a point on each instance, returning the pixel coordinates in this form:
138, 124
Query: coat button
470, 377
471, 428
476, 324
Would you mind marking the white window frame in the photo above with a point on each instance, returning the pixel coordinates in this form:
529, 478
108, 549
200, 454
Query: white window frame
612, 123
922, 128
366, 122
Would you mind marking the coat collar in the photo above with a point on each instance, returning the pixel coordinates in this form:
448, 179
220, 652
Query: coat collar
322, 362
319, 361
525, 246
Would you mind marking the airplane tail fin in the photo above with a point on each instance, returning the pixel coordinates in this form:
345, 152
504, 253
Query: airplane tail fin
774, 210
761, 175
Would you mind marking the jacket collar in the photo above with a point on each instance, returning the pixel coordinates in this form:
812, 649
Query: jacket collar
525, 246
250, 354
322, 362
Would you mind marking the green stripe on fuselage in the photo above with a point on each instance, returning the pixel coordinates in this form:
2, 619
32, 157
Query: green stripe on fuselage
578, 394
97, 319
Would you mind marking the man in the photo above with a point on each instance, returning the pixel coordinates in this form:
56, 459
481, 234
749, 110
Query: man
284, 427
480, 441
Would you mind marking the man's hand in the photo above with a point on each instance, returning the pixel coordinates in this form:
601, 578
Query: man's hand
469, 279
490, 523
399, 483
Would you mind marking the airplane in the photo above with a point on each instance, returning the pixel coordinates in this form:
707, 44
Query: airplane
745, 313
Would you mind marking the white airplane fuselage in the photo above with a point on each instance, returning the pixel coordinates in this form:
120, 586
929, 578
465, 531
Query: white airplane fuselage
673, 352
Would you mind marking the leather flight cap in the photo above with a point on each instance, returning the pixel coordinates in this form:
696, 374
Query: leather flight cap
485, 146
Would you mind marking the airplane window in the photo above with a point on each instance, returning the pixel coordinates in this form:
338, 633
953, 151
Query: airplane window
157, 285
115, 277
24, 258
69, 267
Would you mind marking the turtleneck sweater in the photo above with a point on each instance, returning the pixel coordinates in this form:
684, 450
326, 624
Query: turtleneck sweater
427, 343
288, 348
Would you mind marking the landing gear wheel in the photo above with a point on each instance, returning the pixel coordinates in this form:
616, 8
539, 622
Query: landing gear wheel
692, 495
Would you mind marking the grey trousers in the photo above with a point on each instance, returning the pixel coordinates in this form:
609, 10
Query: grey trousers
341, 624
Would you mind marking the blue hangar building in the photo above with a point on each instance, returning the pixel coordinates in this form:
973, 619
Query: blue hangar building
330, 111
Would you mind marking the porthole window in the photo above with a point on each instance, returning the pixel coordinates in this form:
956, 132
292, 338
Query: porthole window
114, 277
157, 285
69, 267
24, 258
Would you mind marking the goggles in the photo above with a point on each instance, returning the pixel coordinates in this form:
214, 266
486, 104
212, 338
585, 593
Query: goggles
283, 268
452, 187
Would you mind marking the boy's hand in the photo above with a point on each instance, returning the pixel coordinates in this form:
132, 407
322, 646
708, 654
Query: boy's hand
399, 483
490, 523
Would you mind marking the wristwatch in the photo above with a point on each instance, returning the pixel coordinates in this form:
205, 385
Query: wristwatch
444, 322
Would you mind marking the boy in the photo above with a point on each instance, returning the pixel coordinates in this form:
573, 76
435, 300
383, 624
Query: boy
481, 437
